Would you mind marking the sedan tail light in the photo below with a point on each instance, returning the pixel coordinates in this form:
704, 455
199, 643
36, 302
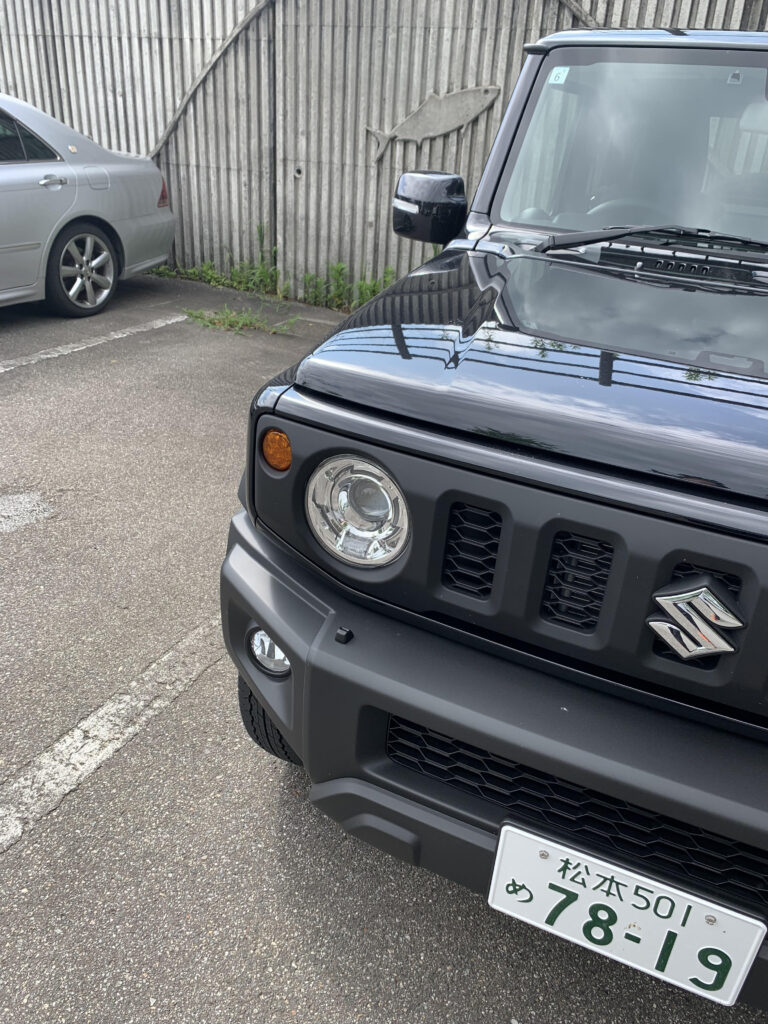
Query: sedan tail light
163, 200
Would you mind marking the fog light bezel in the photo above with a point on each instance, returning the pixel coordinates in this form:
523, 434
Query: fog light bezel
271, 672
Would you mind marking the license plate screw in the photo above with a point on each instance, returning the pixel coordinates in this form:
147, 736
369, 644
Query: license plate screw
710, 919
543, 854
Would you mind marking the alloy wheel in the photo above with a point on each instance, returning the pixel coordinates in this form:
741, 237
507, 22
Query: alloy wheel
87, 271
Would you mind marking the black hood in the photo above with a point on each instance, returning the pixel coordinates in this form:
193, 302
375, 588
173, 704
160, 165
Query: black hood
635, 372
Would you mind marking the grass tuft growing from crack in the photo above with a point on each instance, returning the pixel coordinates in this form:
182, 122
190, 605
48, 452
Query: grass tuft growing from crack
238, 321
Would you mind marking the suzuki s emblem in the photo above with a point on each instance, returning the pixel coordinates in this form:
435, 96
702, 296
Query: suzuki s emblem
695, 617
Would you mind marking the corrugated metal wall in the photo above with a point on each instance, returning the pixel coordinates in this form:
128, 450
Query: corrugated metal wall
360, 65
218, 153
116, 69
258, 110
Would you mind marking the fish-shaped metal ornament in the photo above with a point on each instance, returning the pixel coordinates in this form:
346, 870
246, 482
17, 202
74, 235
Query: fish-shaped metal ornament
438, 115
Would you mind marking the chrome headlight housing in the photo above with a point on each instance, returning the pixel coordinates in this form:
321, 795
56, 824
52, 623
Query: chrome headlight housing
357, 511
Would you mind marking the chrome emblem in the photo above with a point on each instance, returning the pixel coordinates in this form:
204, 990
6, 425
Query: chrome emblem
697, 617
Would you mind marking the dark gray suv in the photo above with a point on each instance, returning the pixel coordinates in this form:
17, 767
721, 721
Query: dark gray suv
500, 578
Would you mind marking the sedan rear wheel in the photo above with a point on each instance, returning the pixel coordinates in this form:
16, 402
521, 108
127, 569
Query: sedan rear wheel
82, 271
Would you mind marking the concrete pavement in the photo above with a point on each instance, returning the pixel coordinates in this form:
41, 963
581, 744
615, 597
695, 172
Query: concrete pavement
159, 866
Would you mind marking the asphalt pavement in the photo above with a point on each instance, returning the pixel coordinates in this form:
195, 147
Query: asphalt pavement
157, 865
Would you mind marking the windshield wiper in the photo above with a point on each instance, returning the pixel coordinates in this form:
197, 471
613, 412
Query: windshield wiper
572, 239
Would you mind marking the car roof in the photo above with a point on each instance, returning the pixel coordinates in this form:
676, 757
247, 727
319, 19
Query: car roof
59, 136
675, 38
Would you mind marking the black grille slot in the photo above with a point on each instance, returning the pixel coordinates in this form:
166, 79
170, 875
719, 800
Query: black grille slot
683, 571
471, 550
575, 587
728, 870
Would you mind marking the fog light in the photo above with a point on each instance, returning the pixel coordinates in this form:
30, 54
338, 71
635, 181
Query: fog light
267, 654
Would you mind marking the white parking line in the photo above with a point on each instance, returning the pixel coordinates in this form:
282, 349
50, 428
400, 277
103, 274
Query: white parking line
40, 787
17, 510
78, 346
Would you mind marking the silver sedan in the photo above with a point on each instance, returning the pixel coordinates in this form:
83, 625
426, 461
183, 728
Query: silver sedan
74, 218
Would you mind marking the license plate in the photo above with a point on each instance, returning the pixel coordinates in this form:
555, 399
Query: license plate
669, 934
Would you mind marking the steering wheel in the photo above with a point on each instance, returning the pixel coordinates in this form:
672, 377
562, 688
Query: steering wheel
626, 211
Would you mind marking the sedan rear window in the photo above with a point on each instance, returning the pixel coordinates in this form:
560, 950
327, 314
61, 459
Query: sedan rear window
34, 147
11, 148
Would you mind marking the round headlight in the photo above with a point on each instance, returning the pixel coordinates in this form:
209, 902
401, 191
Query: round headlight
357, 511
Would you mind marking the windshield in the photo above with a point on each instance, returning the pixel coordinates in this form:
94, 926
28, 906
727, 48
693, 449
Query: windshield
620, 136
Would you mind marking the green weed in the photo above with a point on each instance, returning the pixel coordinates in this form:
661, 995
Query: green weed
339, 288
366, 290
335, 291
239, 321
206, 272
262, 277
338, 292
315, 290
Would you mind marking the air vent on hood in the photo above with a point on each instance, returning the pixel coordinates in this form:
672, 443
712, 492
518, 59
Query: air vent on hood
705, 265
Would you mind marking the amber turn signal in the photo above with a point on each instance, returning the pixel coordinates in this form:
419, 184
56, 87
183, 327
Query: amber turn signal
276, 449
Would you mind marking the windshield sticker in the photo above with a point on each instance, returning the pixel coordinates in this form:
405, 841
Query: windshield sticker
558, 76
735, 78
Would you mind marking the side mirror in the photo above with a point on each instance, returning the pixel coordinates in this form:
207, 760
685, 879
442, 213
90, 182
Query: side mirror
429, 206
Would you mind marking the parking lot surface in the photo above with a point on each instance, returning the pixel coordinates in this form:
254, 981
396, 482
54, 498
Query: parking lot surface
156, 864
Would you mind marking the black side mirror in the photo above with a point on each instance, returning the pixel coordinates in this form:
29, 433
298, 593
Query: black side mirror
429, 206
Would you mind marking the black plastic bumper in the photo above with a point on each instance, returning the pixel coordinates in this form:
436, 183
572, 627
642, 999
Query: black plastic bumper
334, 711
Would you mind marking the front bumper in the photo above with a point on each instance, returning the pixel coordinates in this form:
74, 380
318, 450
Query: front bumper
334, 711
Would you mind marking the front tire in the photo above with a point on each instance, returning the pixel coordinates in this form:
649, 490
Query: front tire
82, 271
260, 726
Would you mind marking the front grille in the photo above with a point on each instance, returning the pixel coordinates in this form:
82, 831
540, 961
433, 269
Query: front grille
471, 550
726, 870
576, 580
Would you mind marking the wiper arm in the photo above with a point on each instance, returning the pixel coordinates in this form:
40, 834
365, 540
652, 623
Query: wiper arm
573, 239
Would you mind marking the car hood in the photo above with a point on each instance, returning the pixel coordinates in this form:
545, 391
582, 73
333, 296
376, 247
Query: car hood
635, 372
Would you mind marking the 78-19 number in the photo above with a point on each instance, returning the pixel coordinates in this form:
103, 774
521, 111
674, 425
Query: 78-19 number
598, 929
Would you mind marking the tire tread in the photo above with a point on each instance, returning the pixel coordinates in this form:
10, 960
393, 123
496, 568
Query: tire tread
260, 726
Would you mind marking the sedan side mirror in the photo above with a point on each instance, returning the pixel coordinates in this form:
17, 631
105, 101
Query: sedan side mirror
429, 206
